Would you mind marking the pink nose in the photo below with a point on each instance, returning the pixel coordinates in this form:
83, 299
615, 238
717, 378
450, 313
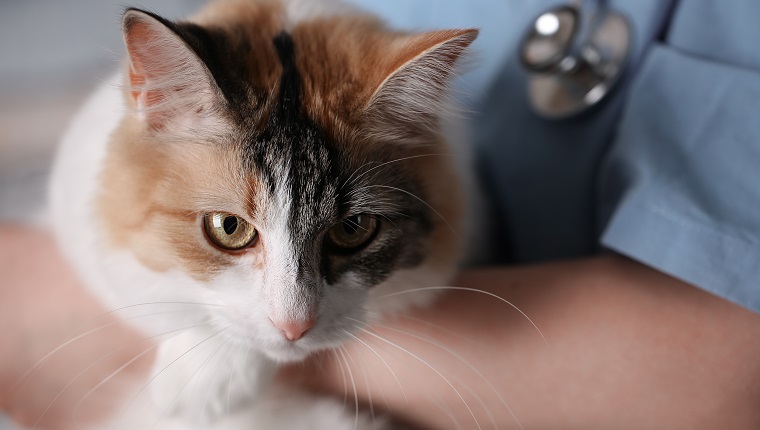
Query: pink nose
294, 330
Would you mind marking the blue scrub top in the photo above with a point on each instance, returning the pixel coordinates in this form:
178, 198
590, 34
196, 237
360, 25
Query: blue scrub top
666, 170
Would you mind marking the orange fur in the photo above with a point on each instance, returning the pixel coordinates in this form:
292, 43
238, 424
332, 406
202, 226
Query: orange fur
150, 199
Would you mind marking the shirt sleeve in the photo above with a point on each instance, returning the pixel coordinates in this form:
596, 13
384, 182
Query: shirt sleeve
680, 187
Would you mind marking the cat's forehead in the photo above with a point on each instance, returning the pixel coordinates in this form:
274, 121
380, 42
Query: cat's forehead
338, 57
287, 143
292, 138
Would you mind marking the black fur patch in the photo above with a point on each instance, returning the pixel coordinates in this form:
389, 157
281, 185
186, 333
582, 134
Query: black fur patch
290, 82
220, 56
291, 151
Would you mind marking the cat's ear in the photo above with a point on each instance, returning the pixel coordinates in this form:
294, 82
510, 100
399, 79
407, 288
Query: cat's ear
414, 92
167, 80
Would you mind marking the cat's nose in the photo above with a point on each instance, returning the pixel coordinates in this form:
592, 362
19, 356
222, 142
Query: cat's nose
294, 330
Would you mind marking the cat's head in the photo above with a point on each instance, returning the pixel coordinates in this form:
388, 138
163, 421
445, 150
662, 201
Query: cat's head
290, 164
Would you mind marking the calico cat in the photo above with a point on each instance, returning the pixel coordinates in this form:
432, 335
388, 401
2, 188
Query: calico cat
260, 178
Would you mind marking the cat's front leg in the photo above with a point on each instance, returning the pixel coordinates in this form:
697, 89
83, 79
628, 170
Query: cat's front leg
200, 376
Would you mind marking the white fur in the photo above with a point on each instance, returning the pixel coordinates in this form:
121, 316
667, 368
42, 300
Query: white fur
279, 408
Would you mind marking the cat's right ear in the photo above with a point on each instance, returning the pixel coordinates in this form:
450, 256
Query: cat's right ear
167, 81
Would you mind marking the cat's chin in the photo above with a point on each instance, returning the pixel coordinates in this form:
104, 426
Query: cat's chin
287, 353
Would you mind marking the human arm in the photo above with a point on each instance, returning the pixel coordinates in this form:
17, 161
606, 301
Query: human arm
42, 306
628, 347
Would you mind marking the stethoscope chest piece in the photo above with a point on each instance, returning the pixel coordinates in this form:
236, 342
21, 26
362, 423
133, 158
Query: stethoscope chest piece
574, 58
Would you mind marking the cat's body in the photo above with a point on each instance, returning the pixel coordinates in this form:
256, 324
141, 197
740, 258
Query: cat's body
256, 185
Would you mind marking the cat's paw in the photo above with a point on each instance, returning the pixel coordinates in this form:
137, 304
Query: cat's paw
200, 378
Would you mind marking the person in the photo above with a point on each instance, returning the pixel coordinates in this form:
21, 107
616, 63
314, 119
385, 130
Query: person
630, 240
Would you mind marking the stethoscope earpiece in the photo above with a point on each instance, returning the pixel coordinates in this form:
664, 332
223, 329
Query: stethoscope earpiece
574, 57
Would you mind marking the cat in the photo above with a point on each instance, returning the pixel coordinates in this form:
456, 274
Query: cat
261, 178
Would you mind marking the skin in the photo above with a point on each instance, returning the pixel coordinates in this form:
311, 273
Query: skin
43, 305
626, 347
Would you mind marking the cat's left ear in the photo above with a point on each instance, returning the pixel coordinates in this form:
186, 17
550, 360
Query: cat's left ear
414, 91
167, 81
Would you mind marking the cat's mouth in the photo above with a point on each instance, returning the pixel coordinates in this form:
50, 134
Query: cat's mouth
288, 352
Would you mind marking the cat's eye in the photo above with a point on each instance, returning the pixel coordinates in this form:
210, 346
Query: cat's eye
228, 232
353, 233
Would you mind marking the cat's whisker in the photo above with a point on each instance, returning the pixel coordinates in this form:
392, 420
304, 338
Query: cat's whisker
380, 357
421, 200
392, 223
445, 330
384, 397
24, 378
343, 375
230, 345
366, 384
441, 405
474, 290
379, 206
153, 378
229, 381
113, 374
163, 303
115, 57
351, 178
30, 372
199, 372
76, 377
481, 402
367, 202
469, 365
434, 397
343, 353
428, 365
411, 157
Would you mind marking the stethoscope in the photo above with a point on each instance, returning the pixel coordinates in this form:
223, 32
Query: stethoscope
574, 54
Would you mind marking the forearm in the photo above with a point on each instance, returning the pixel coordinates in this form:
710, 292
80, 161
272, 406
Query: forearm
42, 307
627, 347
